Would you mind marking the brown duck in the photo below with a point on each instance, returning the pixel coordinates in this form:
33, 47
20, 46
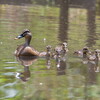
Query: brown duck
25, 49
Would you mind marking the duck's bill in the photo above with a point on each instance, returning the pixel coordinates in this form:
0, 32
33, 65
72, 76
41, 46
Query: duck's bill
18, 37
15, 38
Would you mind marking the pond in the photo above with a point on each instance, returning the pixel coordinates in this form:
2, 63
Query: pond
51, 23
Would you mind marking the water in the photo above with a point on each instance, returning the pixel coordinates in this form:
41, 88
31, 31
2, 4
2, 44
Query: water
51, 23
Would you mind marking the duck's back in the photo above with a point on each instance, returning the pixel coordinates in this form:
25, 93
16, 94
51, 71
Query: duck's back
29, 51
26, 51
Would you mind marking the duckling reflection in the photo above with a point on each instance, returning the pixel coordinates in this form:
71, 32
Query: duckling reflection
91, 72
48, 63
61, 66
26, 62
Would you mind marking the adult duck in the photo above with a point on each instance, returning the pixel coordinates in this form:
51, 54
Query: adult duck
25, 49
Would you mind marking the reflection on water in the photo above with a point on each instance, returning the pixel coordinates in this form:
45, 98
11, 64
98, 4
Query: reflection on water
66, 78
26, 62
63, 24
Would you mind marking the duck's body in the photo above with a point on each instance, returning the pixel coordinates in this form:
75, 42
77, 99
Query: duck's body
57, 54
26, 49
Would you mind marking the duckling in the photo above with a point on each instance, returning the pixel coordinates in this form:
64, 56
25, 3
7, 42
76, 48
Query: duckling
94, 56
26, 49
48, 53
62, 49
57, 54
82, 53
94, 60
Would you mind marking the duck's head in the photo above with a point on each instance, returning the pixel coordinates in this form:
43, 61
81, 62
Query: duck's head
26, 33
48, 48
85, 50
64, 44
97, 52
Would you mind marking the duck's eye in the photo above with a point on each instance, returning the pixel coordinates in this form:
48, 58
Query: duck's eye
24, 34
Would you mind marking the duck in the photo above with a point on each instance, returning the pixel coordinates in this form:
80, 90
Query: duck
94, 56
57, 54
94, 59
62, 49
48, 50
25, 49
83, 53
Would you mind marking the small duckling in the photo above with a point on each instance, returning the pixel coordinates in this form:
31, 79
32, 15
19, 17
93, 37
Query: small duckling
57, 54
94, 56
94, 60
82, 53
62, 49
48, 54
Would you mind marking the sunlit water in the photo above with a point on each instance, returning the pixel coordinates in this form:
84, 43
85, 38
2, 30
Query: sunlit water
73, 79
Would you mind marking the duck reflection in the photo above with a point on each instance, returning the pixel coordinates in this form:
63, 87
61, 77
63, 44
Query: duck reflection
26, 62
63, 20
61, 67
48, 62
25, 75
48, 56
91, 73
